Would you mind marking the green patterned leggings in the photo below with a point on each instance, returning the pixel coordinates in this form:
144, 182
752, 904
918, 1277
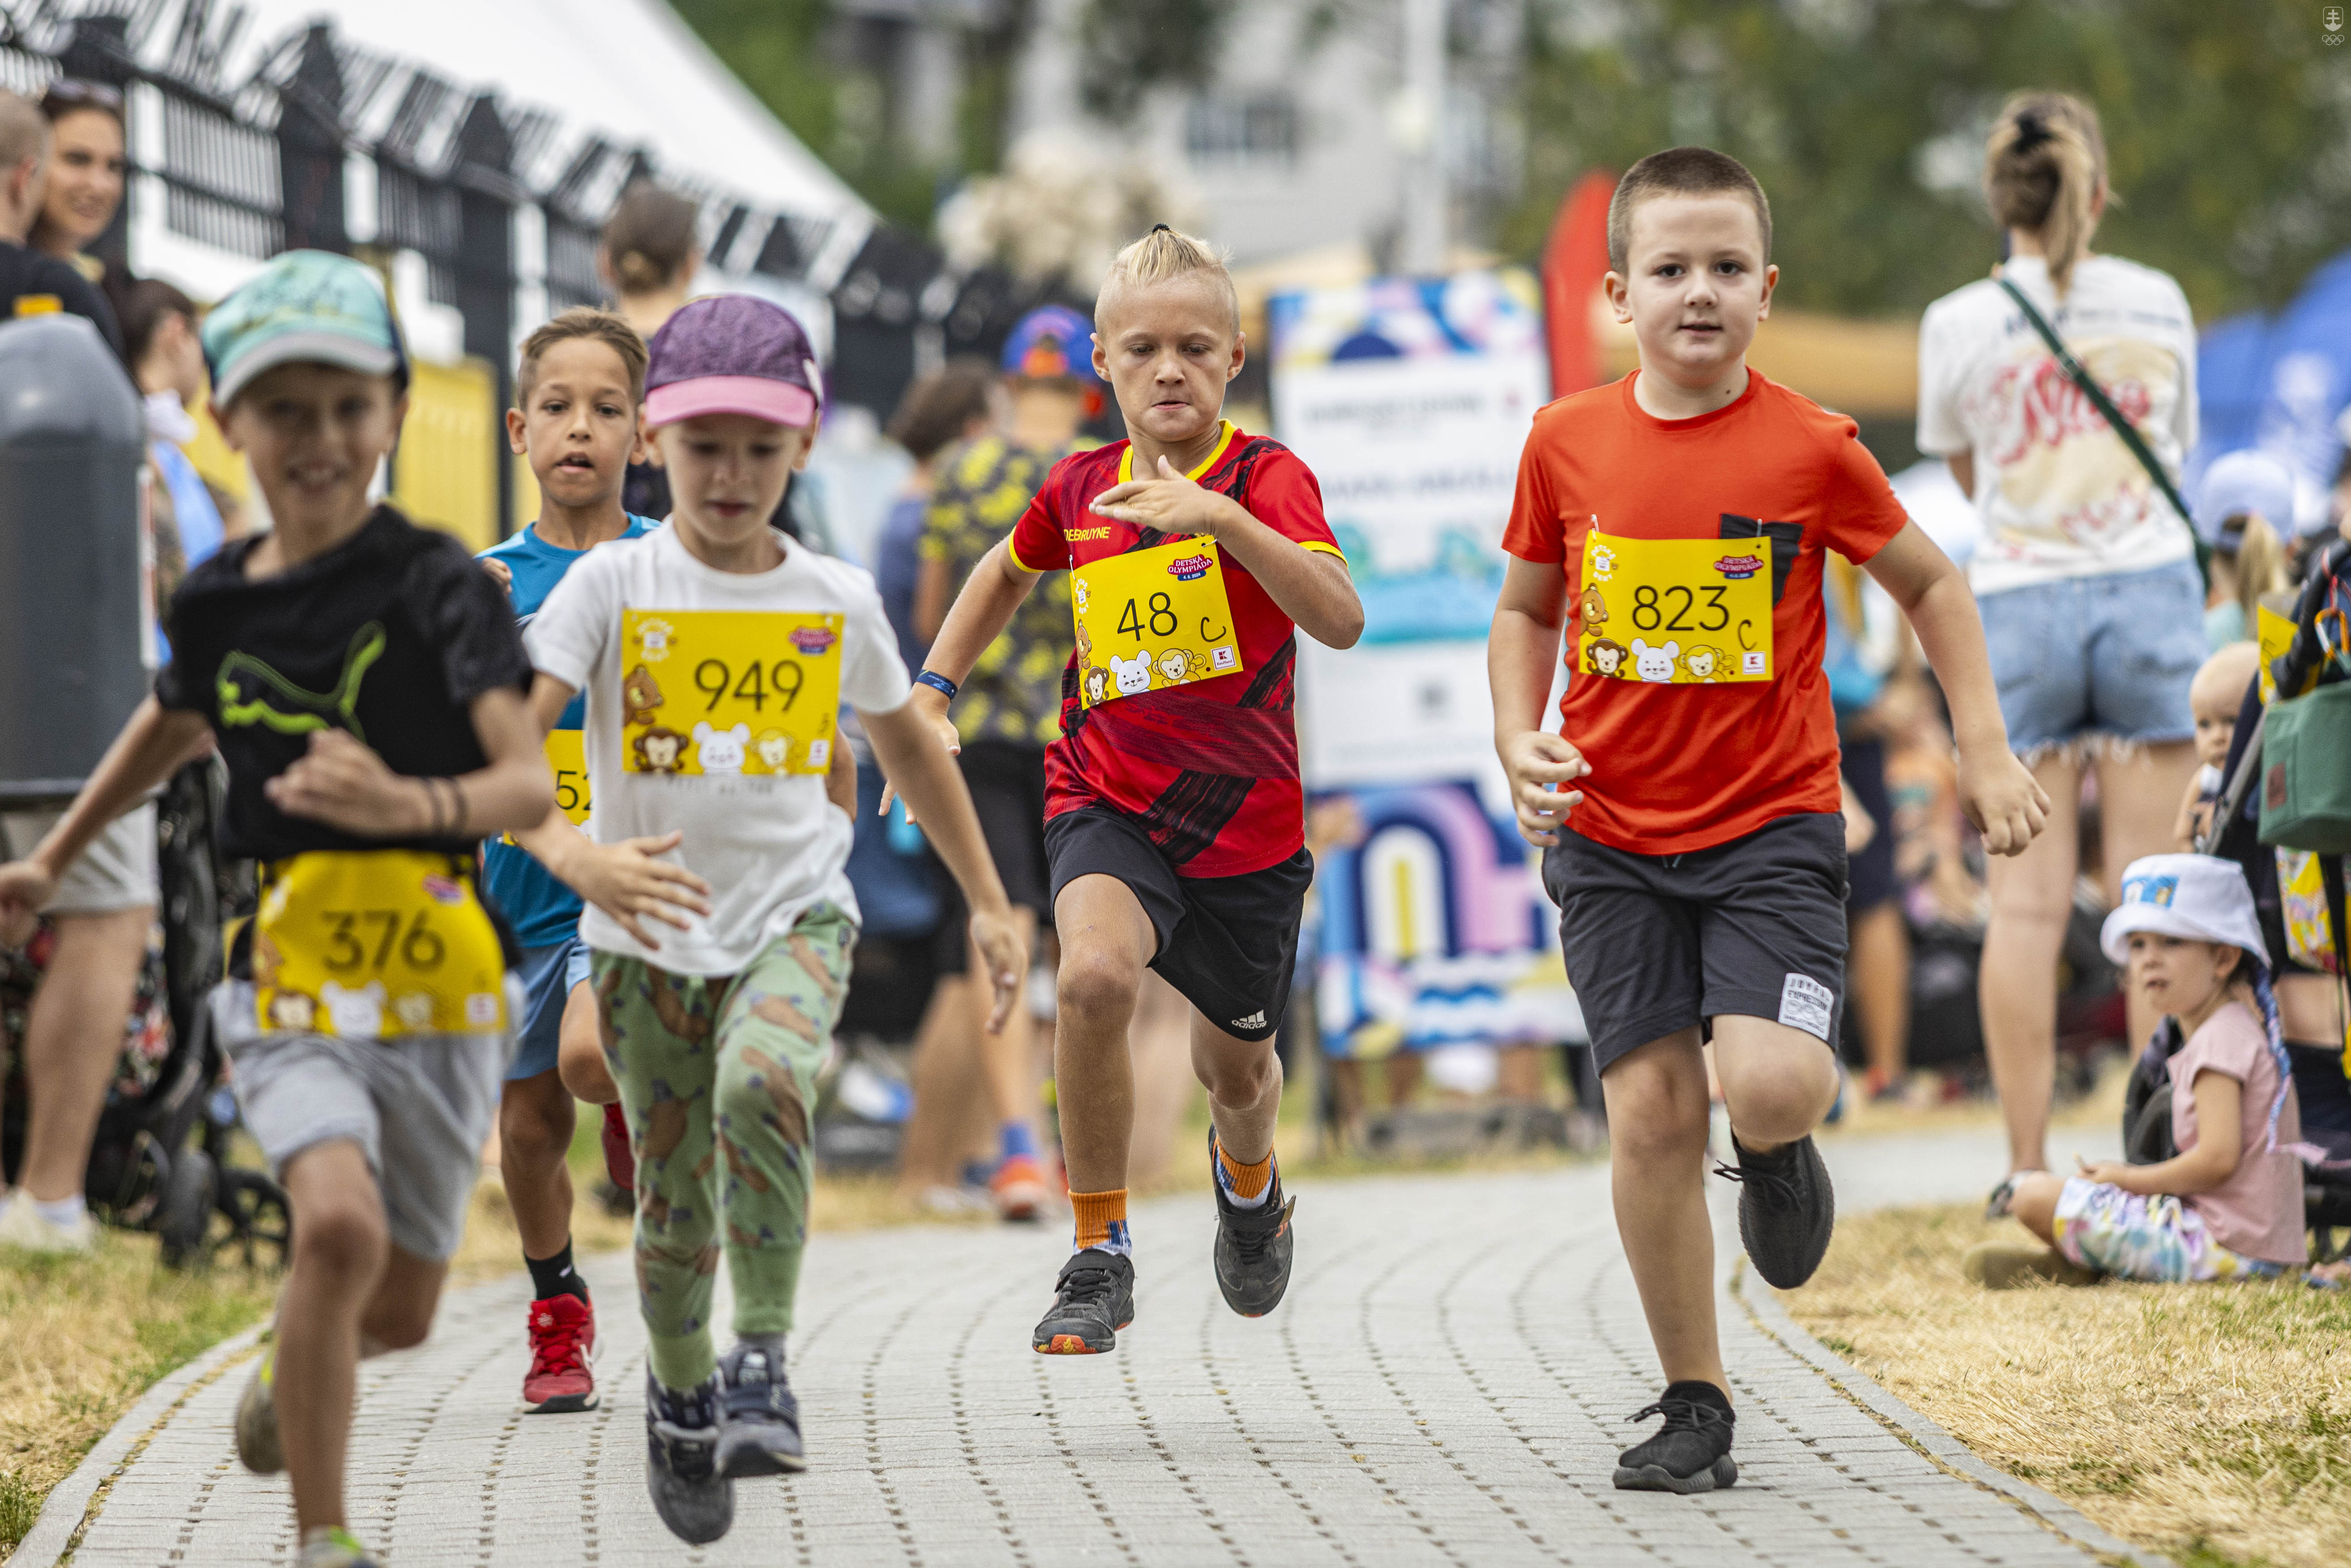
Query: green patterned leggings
716, 1071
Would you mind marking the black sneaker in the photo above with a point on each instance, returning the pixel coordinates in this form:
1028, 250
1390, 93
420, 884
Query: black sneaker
682, 1430
1692, 1453
1094, 1298
1253, 1245
1786, 1211
759, 1427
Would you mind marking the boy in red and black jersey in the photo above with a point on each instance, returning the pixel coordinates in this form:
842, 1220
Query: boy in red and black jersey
1174, 821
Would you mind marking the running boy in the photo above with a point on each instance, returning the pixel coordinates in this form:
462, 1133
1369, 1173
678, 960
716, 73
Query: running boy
1690, 828
714, 654
365, 684
1175, 820
577, 391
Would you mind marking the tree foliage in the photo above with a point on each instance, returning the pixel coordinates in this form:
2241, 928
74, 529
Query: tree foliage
2228, 129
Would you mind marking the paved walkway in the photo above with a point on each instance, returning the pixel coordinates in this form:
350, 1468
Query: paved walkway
1447, 1383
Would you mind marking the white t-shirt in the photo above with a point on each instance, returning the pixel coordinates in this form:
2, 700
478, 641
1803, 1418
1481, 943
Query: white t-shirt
770, 846
2060, 493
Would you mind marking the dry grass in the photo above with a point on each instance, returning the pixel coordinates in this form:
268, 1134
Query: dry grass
2211, 1422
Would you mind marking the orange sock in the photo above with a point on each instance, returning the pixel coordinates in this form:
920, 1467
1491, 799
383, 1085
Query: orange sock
1244, 1181
1102, 1219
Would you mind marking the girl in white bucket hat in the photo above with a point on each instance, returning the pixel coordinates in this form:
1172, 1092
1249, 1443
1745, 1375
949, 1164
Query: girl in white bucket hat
2229, 1205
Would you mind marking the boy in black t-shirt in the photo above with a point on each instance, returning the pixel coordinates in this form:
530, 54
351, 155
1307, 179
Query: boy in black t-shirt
364, 682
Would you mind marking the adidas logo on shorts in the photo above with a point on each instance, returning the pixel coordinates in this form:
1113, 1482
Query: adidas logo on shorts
1255, 1020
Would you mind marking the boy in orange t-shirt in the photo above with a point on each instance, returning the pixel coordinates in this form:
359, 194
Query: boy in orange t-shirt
1673, 523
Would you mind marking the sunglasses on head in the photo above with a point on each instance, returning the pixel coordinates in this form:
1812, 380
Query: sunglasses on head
70, 93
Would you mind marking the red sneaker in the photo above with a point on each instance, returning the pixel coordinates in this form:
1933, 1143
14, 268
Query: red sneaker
1019, 1188
619, 1160
562, 1349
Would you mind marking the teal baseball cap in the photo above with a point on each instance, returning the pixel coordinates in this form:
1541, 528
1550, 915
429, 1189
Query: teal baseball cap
306, 305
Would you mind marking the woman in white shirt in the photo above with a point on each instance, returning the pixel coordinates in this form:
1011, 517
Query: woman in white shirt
2086, 576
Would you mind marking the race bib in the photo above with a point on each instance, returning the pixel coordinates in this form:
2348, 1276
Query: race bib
1153, 617
1678, 612
728, 692
375, 944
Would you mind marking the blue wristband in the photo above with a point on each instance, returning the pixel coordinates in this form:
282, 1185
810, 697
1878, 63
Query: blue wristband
937, 683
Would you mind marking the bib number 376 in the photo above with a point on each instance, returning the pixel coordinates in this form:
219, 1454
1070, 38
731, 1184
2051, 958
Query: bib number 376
1675, 612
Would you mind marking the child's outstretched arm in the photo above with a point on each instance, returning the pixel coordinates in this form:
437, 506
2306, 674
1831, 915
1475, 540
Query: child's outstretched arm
995, 590
910, 757
2220, 1146
1998, 793
1311, 587
623, 880
1521, 653
342, 782
152, 746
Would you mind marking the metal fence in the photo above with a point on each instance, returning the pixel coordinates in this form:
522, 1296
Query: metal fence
266, 161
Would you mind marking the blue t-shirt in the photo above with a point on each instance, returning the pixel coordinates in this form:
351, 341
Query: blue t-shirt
543, 910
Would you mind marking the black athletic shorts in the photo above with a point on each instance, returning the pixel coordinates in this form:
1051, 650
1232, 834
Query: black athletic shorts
1006, 780
1229, 944
1658, 943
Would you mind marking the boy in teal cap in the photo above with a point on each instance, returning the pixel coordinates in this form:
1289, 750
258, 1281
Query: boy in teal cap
364, 682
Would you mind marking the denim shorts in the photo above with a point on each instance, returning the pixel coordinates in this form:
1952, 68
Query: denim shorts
547, 975
2087, 657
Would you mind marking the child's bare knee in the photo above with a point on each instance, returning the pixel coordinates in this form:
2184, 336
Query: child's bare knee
1097, 986
345, 1240
2033, 1202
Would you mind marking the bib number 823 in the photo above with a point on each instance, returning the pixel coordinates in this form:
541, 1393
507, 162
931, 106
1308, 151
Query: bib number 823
1647, 602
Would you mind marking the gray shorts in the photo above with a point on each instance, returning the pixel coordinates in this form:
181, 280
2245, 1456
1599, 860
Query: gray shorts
420, 1108
115, 874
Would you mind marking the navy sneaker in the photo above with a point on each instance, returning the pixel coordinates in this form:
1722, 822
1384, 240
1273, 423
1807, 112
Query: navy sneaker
1692, 1453
1094, 1298
1253, 1245
682, 1430
759, 1428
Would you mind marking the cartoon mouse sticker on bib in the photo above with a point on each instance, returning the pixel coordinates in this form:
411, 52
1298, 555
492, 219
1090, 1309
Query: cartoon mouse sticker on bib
1675, 612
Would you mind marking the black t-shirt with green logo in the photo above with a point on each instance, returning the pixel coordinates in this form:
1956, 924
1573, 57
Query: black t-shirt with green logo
390, 636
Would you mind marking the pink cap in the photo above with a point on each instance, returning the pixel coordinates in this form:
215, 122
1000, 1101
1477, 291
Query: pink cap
781, 402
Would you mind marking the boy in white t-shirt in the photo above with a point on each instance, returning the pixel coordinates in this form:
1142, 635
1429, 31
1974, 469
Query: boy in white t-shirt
715, 655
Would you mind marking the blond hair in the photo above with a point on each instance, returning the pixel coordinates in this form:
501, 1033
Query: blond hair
2044, 167
1682, 172
583, 322
24, 131
1161, 257
2257, 564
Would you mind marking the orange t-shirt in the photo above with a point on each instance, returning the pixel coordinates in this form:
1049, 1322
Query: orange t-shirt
1677, 766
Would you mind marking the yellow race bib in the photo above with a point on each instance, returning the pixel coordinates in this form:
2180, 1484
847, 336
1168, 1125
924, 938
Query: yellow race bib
727, 693
1679, 612
1153, 617
374, 943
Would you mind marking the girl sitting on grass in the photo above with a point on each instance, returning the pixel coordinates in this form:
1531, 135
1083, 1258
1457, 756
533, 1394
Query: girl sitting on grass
2229, 1205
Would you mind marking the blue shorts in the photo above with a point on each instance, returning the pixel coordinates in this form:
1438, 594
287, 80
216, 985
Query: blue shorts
2088, 657
548, 975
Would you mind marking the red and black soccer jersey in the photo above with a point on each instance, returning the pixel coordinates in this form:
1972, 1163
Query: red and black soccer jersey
1210, 769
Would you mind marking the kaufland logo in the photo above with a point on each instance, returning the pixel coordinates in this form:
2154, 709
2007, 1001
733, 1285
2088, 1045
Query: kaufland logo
812, 640
1739, 567
1187, 568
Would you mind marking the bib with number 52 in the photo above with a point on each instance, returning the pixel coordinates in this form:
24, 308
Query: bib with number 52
728, 692
1679, 612
1153, 617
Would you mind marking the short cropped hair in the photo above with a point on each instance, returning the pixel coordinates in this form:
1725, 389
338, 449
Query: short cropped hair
597, 326
1161, 257
1680, 172
932, 414
24, 130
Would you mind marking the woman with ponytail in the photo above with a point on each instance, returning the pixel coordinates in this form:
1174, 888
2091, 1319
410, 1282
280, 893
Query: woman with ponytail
648, 256
2086, 579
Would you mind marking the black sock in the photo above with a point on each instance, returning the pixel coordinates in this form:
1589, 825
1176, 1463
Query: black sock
555, 1276
1701, 1391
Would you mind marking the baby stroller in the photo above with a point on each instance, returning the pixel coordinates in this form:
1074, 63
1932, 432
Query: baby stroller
2320, 1078
161, 1160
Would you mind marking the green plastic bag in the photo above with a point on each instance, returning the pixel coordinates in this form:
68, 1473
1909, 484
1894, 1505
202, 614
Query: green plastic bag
2306, 771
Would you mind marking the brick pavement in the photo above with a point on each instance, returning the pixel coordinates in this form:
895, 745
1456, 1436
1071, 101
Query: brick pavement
1447, 1383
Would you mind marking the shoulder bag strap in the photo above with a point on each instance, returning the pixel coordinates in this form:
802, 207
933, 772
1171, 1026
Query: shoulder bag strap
2114, 416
